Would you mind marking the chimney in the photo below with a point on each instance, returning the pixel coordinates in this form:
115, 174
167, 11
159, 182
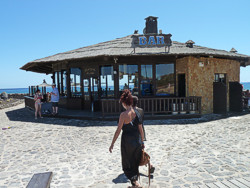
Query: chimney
190, 43
233, 50
151, 25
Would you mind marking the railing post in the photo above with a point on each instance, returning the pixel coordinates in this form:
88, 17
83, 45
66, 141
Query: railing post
188, 105
168, 106
102, 109
119, 107
156, 105
152, 107
111, 102
107, 105
164, 108
199, 105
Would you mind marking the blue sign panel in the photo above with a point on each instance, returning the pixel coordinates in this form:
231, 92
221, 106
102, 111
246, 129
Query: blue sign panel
151, 40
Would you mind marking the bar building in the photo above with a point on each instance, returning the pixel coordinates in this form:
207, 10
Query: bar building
169, 77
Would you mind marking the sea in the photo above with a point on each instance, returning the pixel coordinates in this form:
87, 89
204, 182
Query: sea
246, 86
20, 90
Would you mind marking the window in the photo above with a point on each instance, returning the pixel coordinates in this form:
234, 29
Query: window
220, 78
165, 84
56, 79
107, 81
147, 80
64, 91
86, 89
75, 82
128, 78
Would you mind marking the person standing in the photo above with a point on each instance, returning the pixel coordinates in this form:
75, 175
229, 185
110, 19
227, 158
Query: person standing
54, 99
131, 147
141, 111
38, 103
248, 96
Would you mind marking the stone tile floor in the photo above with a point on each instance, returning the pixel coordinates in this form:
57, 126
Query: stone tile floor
185, 153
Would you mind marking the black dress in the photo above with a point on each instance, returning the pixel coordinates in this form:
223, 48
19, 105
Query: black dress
131, 148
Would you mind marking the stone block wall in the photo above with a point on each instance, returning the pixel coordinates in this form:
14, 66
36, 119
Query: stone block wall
17, 96
199, 80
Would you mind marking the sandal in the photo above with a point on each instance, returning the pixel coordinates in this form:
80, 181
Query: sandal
152, 169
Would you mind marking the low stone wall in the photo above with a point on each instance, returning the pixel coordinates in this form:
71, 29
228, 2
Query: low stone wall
29, 102
10, 103
17, 96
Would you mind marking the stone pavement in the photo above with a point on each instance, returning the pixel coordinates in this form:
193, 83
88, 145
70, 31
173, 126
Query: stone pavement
185, 153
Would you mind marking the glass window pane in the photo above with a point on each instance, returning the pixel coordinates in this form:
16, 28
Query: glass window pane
75, 82
165, 84
128, 78
107, 81
147, 80
220, 78
64, 83
86, 89
56, 79
60, 86
94, 88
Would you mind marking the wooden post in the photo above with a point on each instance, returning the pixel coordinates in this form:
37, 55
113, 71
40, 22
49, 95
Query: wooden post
111, 108
102, 108
68, 83
199, 98
115, 105
164, 108
168, 106
139, 80
152, 107
58, 85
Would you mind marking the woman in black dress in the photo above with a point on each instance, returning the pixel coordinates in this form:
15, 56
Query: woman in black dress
130, 123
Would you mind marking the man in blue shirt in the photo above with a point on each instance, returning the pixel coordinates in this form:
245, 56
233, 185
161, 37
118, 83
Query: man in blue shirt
54, 99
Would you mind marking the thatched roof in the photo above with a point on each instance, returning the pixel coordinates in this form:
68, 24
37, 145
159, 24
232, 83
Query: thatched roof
123, 47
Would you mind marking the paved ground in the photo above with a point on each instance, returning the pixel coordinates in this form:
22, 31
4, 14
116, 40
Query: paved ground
185, 152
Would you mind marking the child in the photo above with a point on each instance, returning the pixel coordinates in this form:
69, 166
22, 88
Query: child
38, 103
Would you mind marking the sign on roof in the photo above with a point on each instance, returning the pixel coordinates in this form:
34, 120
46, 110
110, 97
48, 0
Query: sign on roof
153, 40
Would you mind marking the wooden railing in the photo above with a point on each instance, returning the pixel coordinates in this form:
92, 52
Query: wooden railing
177, 105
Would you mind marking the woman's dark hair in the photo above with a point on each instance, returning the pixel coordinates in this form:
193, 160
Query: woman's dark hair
135, 101
37, 90
126, 97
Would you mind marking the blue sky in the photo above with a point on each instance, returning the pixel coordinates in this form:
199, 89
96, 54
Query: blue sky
35, 29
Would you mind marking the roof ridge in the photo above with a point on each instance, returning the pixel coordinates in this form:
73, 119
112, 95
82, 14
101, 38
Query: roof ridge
204, 47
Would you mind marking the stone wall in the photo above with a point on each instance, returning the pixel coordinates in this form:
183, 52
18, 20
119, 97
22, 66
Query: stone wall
181, 68
199, 80
17, 96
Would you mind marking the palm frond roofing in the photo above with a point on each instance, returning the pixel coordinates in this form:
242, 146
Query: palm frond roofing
123, 47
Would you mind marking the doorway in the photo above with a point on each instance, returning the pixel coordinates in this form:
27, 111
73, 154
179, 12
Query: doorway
220, 94
235, 97
91, 94
181, 85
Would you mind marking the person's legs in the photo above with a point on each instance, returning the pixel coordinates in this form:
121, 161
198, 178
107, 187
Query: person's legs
40, 109
36, 109
57, 110
53, 108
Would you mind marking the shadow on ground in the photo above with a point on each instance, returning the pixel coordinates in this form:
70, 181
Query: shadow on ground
27, 115
123, 179
120, 179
